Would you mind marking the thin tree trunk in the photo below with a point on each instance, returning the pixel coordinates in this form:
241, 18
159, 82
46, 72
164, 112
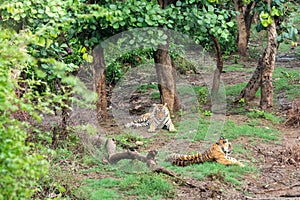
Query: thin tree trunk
218, 71
166, 81
242, 34
166, 71
262, 76
248, 93
100, 82
244, 20
268, 66
249, 18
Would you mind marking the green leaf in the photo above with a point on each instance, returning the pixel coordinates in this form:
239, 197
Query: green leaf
116, 26
113, 6
265, 23
186, 27
178, 3
230, 24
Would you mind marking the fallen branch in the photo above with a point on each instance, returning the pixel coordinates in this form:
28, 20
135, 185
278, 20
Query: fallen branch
280, 189
149, 159
290, 195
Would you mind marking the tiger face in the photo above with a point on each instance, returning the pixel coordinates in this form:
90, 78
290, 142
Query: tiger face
160, 111
160, 117
225, 146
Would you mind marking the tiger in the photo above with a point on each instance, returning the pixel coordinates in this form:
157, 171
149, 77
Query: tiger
218, 152
157, 119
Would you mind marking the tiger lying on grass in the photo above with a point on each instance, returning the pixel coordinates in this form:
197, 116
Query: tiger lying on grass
157, 119
219, 152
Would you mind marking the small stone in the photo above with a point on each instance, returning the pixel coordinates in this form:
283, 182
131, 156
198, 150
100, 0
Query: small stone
139, 143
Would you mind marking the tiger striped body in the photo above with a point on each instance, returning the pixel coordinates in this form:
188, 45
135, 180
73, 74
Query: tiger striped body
157, 119
219, 152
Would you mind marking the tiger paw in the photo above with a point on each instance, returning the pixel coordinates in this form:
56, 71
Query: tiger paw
151, 130
173, 130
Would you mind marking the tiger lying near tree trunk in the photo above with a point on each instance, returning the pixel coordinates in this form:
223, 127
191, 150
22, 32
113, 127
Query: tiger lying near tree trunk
157, 119
219, 152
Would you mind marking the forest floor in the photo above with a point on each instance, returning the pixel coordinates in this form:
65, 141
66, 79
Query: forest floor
277, 162
272, 159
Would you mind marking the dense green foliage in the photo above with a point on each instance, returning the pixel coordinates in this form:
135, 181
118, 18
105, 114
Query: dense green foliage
20, 165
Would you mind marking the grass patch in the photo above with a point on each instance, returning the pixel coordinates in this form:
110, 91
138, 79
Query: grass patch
265, 115
233, 131
100, 189
147, 186
233, 173
155, 95
236, 67
287, 81
234, 90
142, 185
145, 87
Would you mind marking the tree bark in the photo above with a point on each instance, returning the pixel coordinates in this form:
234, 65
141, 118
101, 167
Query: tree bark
262, 76
244, 20
166, 75
166, 71
218, 71
268, 65
248, 93
100, 83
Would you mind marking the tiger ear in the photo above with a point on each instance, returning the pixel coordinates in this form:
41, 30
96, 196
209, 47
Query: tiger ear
166, 104
221, 140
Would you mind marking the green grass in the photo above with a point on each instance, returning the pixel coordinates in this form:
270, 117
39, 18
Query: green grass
100, 189
145, 87
285, 47
234, 90
155, 95
287, 81
236, 68
147, 186
265, 115
233, 173
142, 186
232, 131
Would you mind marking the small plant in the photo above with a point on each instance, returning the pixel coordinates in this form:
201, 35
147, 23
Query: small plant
155, 95
236, 58
242, 101
114, 72
145, 87
207, 113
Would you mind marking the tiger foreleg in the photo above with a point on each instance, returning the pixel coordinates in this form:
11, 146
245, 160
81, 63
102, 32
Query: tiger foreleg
172, 128
229, 161
152, 127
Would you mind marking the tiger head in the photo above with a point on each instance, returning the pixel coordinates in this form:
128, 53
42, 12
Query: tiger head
224, 145
160, 111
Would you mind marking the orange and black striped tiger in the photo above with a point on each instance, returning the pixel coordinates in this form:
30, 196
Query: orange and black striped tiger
219, 152
157, 119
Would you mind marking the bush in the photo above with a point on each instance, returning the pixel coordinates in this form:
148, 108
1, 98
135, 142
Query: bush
20, 167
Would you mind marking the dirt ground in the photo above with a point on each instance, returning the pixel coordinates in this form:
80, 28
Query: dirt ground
279, 164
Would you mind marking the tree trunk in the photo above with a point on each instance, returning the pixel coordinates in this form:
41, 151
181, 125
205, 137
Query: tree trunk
244, 20
166, 71
268, 65
248, 93
218, 71
262, 76
100, 82
166, 79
